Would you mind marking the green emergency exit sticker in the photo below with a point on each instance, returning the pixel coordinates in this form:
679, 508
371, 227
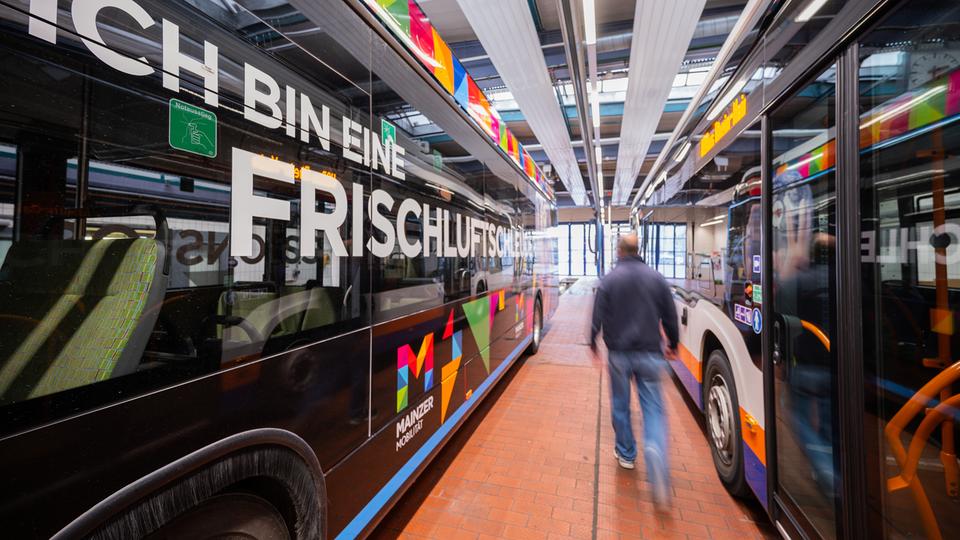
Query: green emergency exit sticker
388, 132
757, 294
192, 129
437, 160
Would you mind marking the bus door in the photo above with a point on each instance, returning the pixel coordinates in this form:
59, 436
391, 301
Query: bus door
803, 309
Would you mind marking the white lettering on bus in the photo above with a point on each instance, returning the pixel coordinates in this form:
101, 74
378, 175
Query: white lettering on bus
452, 234
411, 423
261, 92
895, 244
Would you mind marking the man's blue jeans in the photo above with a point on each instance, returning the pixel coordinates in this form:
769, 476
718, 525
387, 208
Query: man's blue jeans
646, 368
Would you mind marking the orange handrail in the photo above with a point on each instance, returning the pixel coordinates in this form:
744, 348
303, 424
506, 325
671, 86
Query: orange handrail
944, 411
813, 329
908, 461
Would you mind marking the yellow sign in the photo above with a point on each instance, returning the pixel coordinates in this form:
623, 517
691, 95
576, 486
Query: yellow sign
738, 110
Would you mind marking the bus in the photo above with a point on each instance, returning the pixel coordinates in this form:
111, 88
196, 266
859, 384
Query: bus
818, 177
259, 261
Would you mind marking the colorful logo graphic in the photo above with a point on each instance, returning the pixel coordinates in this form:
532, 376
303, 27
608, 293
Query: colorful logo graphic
480, 316
420, 363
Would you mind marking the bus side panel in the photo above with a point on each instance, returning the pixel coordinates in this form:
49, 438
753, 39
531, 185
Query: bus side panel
320, 385
369, 481
688, 366
706, 317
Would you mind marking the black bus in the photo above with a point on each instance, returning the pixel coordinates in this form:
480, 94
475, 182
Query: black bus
257, 264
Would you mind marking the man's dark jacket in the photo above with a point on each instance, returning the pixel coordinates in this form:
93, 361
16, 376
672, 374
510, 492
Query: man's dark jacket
631, 303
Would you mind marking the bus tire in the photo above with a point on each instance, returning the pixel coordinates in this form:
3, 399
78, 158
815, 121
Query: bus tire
230, 515
721, 409
537, 327
266, 483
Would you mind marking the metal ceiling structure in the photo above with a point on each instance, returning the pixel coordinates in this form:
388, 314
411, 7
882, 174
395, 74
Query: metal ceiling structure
591, 98
506, 30
661, 33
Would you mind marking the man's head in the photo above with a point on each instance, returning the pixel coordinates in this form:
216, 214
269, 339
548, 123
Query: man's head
627, 246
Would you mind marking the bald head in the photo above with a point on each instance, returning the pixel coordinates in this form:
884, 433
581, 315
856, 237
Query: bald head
627, 246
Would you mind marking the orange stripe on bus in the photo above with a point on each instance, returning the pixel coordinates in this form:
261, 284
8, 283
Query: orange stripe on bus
691, 362
753, 435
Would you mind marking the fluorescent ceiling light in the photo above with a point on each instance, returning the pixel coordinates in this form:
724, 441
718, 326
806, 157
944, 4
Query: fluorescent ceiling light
598, 154
590, 22
595, 110
683, 152
809, 11
711, 223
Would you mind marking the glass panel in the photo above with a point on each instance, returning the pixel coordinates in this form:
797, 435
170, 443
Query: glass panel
804, 259
800, 26
910, 207
120, 308
441, 178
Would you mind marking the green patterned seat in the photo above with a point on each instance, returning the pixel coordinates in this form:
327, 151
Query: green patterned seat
75, 312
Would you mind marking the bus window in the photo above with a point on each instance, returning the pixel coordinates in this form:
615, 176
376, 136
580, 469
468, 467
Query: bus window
910, 255
802, 295
119, 273
435, 262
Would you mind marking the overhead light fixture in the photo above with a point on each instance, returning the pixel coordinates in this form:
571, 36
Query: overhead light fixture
598, 153
590, 22
711, 223
809, 11
683, 152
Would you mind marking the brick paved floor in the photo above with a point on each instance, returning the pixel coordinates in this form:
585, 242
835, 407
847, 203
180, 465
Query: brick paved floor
525, 466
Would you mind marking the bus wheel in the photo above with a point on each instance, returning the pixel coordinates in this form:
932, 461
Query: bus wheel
231, 515
537, 328
722, 411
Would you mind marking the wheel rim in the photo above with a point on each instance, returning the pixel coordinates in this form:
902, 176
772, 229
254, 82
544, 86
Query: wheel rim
720, 419
537, 326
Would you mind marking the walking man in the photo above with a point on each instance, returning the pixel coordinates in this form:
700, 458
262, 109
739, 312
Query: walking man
631, 304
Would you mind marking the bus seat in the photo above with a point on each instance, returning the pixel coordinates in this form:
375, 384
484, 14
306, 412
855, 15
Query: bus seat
76, 312
322, 309
264, 310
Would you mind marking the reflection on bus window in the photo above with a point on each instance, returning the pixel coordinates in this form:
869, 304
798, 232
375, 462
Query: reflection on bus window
138, 289
803, 249
910, 193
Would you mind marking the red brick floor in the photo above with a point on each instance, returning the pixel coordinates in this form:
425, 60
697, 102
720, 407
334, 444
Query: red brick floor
536, 462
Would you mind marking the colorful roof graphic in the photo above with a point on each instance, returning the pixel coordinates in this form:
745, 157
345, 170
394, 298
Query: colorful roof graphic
406, 20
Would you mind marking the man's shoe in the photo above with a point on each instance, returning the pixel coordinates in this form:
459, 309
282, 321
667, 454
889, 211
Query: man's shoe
661, 489
624, 464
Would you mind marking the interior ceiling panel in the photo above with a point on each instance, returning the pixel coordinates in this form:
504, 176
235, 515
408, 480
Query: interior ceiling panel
661, 36
507, 32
